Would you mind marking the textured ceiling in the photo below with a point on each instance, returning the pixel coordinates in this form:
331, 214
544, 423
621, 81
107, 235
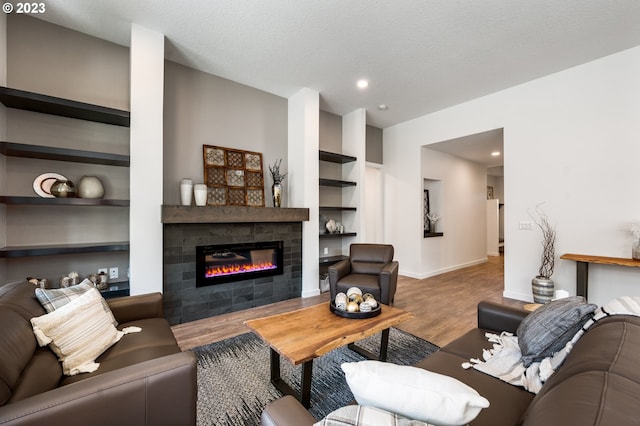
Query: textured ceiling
419, 55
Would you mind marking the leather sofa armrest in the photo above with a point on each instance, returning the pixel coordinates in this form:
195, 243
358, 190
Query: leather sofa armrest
336, 272
495, 317
133, 308
388, 281
162, 391
286, 411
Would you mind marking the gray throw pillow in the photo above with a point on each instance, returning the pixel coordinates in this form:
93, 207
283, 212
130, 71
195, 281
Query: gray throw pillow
548, 329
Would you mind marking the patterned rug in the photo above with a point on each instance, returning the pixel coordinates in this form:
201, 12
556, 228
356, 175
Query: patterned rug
234, 384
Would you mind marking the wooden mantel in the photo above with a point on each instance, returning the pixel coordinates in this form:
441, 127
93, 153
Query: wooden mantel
232, 214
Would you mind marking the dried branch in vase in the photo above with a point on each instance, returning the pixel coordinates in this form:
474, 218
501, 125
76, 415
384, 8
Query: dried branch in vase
547, 258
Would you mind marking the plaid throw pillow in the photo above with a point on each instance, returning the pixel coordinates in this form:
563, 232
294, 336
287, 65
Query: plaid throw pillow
360, 415
56, 298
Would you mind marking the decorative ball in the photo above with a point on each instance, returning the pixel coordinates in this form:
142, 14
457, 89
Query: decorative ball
352, 307
354, 290
90, 187
341, 298
355, 297
365, 307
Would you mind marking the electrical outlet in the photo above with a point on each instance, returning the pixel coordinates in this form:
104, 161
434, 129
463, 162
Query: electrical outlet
326, 250
101, 270
113, 273
525, 226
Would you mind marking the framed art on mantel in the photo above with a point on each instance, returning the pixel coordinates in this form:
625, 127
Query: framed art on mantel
233, 177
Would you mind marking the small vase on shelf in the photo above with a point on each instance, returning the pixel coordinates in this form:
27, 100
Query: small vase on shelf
635, 250
276, 188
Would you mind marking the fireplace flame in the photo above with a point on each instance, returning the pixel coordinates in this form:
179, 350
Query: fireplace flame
216, 271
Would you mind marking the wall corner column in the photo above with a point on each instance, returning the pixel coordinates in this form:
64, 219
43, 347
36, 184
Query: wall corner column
146, 151
304, 172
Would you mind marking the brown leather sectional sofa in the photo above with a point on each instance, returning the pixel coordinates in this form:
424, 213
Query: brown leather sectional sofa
144, 379
599, 383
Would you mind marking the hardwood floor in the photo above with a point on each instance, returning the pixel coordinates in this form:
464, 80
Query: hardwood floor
444, 306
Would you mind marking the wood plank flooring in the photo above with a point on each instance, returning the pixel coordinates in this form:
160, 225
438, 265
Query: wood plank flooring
444, 306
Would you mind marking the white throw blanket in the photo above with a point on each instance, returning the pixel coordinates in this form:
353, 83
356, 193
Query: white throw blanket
503, 361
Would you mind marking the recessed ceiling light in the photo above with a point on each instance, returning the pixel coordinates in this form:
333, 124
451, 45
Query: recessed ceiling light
495, 153
383, 107
362, 84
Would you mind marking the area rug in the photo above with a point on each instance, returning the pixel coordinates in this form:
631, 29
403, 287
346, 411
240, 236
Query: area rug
234, 384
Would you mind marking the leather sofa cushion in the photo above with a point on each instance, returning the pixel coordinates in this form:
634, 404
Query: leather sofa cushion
369, 258
42, 374
366, 283
17, 344
508, 402
589, 398
605, 360
21, 298
155, 340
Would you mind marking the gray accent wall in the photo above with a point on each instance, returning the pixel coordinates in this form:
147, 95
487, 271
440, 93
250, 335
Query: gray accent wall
203, 109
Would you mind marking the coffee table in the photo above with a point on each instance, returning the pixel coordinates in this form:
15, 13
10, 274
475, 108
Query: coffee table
307, 333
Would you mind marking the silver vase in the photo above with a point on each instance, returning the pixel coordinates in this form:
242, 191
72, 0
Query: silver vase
276, 194
542, 289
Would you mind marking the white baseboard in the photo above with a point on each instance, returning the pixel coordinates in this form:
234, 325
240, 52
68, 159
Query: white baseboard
517, 295
441, 271
310, 293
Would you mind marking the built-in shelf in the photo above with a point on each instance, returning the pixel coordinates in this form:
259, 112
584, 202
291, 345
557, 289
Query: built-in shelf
12, 149
332, 157
338, 235
346, 209
56, 249
337, 183
18, 200
21, 99
331, 260
433, 234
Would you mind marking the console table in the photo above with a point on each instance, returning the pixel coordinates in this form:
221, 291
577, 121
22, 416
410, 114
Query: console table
582, 267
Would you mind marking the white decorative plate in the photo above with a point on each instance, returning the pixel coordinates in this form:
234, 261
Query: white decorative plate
42, 184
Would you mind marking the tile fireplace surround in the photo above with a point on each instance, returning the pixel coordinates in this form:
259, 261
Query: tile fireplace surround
187, 227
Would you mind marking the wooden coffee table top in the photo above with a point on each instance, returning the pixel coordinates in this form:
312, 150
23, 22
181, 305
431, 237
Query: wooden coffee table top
308, 333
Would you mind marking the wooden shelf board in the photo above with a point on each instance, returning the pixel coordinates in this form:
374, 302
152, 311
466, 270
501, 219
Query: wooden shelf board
330, 260
433, 234
63, 154
19, 200
339, 235
335, 182
56, 249
116, 289
333, 157
349, 209
603, 260
30, 101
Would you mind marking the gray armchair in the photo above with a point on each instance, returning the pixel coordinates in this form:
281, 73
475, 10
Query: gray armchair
371, 268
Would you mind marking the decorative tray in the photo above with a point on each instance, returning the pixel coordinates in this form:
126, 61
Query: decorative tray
355, 315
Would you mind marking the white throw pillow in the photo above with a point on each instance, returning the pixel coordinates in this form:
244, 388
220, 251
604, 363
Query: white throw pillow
413, 392
77, 332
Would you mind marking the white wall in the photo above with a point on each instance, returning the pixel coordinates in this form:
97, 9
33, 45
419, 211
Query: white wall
145, 235
570, 141
461, 206
304, 140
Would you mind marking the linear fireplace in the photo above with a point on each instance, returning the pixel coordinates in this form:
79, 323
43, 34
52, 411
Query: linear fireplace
223, 263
